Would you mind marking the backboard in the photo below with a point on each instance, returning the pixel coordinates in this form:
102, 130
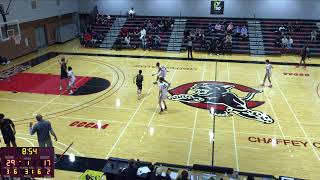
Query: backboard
9, 29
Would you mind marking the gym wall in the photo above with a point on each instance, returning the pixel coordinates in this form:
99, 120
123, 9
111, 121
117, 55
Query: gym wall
271, 9
10, 50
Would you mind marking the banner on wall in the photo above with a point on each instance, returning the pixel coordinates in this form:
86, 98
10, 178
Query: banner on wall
217, 7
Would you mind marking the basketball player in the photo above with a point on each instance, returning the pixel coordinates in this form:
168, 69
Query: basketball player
163, 94
304, 53
162, 72
72, 80
138, 79
8, 131
64, 73
268, 73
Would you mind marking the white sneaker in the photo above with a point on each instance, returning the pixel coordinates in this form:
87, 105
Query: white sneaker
60, 88
71, 92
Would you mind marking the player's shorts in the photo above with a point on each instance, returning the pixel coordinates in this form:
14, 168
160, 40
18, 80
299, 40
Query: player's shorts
268, 74
63, 75
9, 138
71, 82
163, 96
139, 85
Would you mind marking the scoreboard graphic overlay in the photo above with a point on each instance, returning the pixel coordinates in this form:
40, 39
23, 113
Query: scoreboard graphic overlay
26, 162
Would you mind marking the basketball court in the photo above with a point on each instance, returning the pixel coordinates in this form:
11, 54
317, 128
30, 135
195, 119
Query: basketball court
112, 122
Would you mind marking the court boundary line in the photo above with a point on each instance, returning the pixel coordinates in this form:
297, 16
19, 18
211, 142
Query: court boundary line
57, 97
129, 122
154, 113
195, 120
296, 118
185, 59
234, 129
181, 127
272, 109
90, 102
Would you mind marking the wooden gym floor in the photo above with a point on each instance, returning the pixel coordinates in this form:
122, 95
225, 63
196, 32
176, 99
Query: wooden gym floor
290, 146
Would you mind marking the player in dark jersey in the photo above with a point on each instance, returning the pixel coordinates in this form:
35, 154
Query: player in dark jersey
8, 131
138, 79
305, 53
64, 71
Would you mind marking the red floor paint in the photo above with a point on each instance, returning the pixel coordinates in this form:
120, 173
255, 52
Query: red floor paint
38, 83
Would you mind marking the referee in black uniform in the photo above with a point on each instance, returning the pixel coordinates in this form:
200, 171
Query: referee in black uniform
8, 131
189, 48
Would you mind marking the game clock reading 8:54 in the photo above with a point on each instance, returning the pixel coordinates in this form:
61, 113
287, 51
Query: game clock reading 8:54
27, 162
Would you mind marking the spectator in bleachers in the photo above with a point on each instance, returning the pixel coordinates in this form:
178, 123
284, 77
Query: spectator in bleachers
296, 27
143, 33
161, 25
117, 44
282, 29
284, 42
202, 42
136, 32
130, 173
290, 43
244, 33
160, 173
218, 27
149, 26
87, 39
155, 27
314, 35
277, 42
157, 41
131, 13
124, 32
171, 23
144, 42
230, 27
183, 176
198, 31
127, 41
290, 27
237, 31
212, 47
150, 42
210, 28
4, 61
220, 47
228, 43
192, 34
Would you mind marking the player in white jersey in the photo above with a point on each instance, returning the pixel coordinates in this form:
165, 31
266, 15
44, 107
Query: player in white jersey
268, 73
162, 72
72, 80
163, 94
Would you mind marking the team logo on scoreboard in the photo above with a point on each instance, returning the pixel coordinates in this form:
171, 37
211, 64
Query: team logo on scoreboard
217, 7
218, 96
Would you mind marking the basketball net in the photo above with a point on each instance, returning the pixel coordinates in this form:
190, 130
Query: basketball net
17, 39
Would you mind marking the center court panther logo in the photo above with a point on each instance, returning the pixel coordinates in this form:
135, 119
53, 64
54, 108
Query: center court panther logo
218, 95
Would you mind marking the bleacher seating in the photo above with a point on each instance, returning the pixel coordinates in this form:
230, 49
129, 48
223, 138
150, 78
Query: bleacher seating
238, 46
269, 28
138, 21
103, 28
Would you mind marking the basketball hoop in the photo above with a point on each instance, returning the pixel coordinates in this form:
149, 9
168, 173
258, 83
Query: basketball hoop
17, 39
